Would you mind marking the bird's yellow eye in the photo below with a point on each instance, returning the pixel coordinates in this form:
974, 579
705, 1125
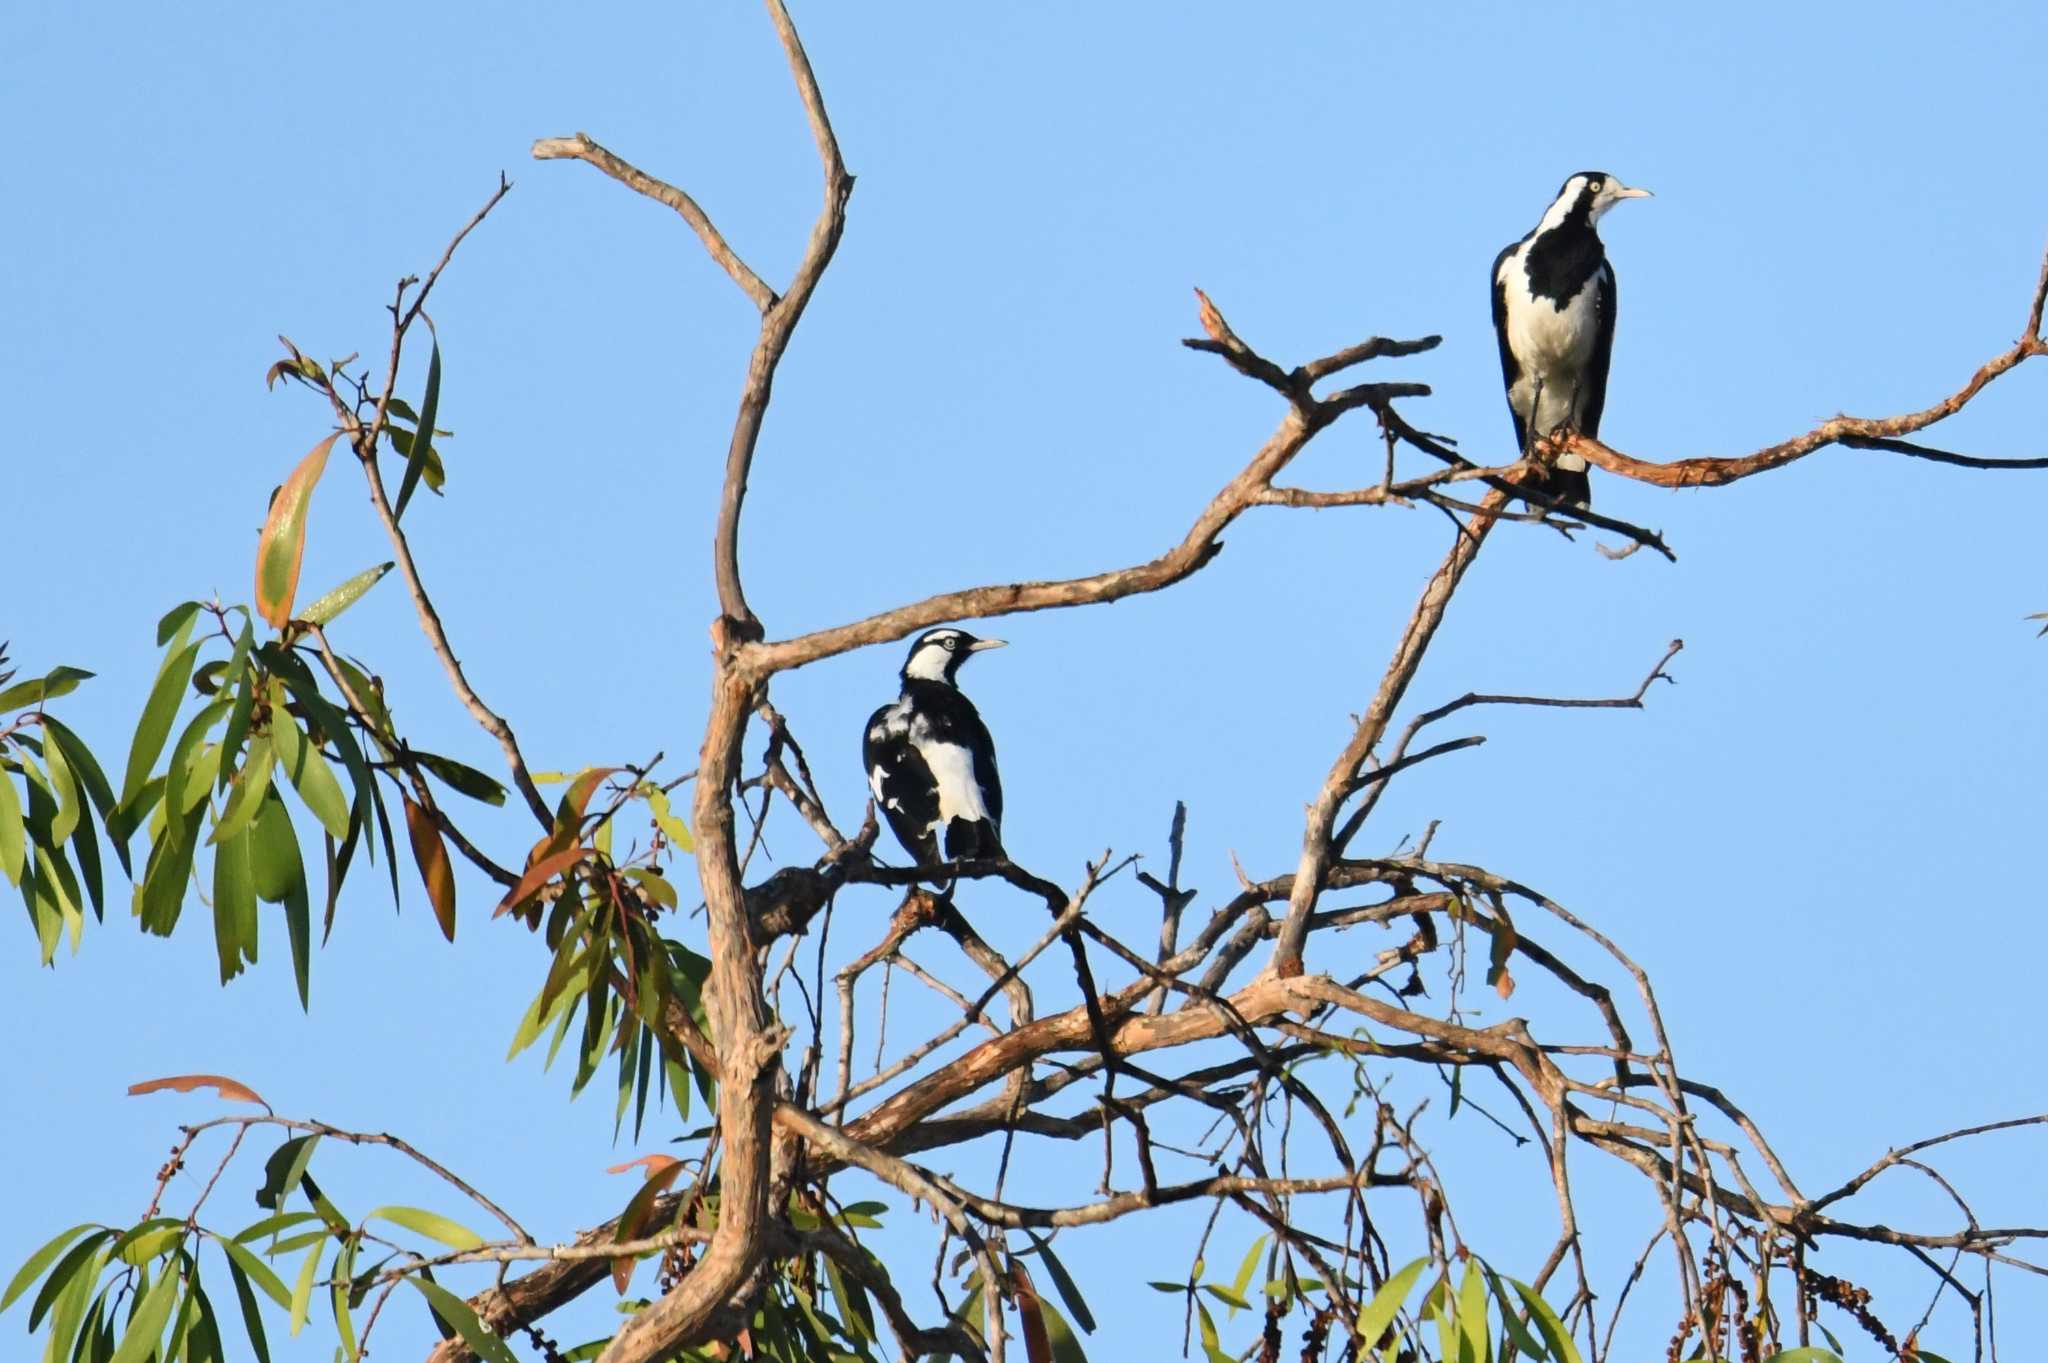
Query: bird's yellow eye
1593, 185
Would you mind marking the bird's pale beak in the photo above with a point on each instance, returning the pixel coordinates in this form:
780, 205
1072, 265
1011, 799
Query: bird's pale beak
1633, 194
979, 644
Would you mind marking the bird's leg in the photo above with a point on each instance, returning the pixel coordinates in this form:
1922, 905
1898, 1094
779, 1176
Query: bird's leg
1529, 427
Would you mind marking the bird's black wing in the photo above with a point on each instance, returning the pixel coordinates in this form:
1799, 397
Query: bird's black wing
1594, 381
902, 785
1510, 367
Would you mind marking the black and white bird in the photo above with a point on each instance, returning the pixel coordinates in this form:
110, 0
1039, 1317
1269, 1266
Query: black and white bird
931, 763
1553, 309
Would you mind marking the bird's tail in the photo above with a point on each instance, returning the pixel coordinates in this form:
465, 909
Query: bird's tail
969, 838
1566, 481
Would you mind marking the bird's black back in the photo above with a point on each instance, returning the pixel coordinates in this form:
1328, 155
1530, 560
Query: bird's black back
1561, 260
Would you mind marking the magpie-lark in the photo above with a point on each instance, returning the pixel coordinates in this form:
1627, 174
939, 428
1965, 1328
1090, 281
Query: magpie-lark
1553, 309
930, 761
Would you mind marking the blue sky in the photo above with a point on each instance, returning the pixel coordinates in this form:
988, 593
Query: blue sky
1821, 843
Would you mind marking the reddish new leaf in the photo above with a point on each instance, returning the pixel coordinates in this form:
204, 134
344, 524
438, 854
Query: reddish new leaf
282, 547
230, 1089
539, 874
1037, 1343
432, 855
633, 1220
654, 1164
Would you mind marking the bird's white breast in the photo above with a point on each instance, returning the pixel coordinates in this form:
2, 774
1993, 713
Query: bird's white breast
1552, 345
1544, 338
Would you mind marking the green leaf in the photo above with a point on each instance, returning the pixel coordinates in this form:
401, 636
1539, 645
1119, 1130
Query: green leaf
71, 1321
58, 681
85, 848
344, 1268
146, 1326
466, 779
456, 1312
1472, 1313
1212, 1349
84, 766
1555, 1336
422, 441
298, 927
39, 1261
13, 843
435, 475
302, 1292
366, 694
251, 784
432, 1225
240, 713
1813, 1354
310, 775
1511, 1317
1376, 1315
199, 777
657, 887
1065, 1348
139, 1244
1064, 1282
1449, 1339
852, 1299
176, 621
292, 1244
347, 594
1245, 1268
271, 1225
65, 789
203, 1343
1227, 1297
245, 1261
671, 827
252, 1315
158, 711
193, 762
170, 867
234, 905
281, 549
283, 1170
274, 855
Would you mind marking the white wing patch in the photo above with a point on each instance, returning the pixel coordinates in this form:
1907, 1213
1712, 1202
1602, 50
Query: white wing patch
893, 722
953, 772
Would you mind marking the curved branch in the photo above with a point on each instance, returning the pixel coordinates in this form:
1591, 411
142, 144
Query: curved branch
1865, 432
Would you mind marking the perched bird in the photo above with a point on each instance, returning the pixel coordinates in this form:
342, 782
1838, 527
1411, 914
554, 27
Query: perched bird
930, 761
1553, 309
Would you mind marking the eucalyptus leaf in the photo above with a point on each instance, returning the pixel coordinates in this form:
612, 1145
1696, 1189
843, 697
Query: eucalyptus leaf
323, 610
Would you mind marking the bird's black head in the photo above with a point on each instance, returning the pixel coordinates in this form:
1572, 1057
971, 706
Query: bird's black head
1586, 196
938, 653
